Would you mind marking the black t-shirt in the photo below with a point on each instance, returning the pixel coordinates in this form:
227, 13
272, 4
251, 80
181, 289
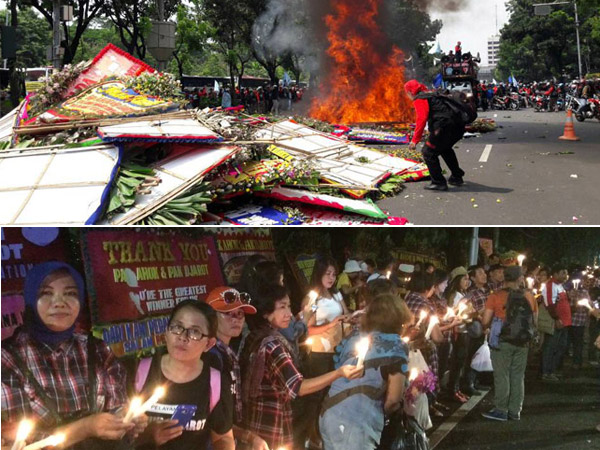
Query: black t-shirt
195, 393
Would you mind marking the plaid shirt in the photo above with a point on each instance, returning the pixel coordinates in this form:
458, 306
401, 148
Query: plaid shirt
495, 286
63, 375
478, 297
416, 303
580, 314
269, 414
236, 378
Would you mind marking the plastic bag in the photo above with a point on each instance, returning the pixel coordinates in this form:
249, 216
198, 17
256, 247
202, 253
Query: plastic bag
482, 361
416, 361
420, 411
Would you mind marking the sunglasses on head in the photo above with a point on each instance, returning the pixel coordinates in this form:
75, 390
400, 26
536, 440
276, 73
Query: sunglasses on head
230, 297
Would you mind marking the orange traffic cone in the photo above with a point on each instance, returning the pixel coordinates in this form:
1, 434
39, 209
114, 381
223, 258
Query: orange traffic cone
569, 134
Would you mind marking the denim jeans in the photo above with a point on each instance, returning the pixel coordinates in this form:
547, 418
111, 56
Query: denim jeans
553, 350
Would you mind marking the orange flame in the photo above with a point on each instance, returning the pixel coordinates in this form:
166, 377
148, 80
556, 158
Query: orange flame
365, 83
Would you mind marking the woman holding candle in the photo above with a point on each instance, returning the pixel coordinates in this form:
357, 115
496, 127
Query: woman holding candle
271, 379
455, 296
68, 382
324, 312
190, 385
352, 416
418, 300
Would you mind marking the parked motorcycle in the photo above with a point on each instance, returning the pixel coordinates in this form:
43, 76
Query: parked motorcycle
541, 103
589, 111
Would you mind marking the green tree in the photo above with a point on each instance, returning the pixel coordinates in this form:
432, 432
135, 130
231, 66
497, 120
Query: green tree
538, 47
231, 24
85, 11
133, 21
192, 36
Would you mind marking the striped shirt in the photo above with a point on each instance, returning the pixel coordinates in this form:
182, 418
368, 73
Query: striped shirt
63, 374
269, 412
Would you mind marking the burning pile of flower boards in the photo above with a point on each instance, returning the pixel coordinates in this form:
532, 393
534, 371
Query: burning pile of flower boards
112, 141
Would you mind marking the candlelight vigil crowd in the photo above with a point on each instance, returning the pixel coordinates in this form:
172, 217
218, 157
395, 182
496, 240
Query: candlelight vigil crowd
370, 354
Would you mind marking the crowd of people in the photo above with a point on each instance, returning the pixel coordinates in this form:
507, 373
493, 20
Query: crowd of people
262, 100
543, 96
247, 368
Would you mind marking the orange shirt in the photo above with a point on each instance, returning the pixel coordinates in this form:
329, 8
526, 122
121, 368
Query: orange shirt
497, 303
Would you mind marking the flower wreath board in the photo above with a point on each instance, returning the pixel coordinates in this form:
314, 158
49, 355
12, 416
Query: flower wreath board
45, 186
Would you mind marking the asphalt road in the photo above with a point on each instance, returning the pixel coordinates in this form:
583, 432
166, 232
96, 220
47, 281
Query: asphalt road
554, 417
529, 177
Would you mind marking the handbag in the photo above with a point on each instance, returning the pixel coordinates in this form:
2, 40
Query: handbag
402, 432
545, 322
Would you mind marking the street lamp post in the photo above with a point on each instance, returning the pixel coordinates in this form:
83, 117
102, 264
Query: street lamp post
543, 9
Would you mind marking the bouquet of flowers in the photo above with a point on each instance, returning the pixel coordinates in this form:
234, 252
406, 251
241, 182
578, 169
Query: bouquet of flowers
424, 382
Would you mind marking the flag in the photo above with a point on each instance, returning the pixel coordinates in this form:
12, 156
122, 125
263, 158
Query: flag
217, 88
287, 80
437, 81
512, 80
494, 81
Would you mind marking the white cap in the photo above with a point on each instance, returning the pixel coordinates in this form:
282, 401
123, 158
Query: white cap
351, 266
406, 268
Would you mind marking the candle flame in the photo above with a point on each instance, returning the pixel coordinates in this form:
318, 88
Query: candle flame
423, 314
57, 439
406, 339
414, 373
309, 341
362, 347
388, 274
585, 302
159, 392
25, 427
521, 258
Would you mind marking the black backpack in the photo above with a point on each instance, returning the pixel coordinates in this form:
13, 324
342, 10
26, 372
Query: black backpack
518, 325
455, 106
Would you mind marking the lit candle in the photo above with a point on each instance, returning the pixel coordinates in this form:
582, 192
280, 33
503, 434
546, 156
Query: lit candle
585, 302
449, 314
530, 282
432, 323
158, 393
576, 283
361, 350
414, 373
388, 274
25, 427
309, 342
134, 407
406, 339
422, 316
521, 258
312, 298
461, 307
51, 441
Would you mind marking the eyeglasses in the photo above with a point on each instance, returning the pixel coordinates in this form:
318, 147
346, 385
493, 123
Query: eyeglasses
230, 297
192, 333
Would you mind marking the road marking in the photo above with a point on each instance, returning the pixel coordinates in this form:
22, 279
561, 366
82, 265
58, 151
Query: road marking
486, 153
445, 428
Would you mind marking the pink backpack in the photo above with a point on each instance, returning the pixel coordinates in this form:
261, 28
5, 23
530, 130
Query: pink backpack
143, 370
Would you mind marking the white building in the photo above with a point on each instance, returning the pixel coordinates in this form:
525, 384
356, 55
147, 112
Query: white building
493, 50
